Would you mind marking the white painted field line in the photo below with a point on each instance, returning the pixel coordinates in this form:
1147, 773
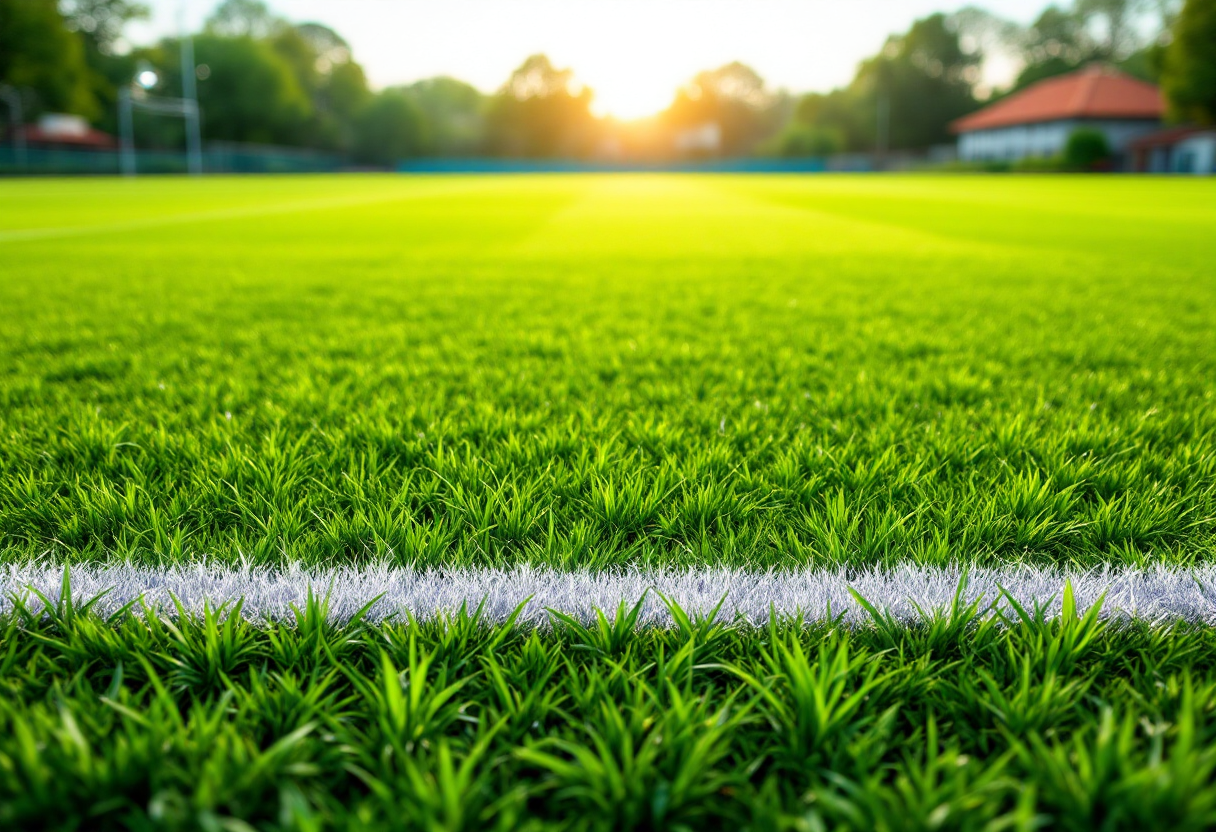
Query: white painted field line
1146, 594
216, 214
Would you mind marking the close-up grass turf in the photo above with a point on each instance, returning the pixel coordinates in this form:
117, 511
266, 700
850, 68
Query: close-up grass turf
661, 433
967, 722
593, 371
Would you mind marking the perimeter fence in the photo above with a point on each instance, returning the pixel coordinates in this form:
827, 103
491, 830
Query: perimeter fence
218, 157
221, 157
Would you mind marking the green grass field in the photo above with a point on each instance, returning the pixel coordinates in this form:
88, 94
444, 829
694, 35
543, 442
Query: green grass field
607, 372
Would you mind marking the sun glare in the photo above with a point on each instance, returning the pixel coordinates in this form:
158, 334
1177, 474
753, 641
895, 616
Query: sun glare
630, 95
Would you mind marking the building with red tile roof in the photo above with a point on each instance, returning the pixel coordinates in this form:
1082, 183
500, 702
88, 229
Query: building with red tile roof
1038, 120
1184, 149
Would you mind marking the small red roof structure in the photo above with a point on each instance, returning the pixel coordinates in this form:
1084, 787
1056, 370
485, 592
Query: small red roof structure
64, 130
1182, 149
92, 139
1096, 92
1168, 137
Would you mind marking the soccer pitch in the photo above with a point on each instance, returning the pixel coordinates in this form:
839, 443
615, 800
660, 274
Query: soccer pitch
820, 406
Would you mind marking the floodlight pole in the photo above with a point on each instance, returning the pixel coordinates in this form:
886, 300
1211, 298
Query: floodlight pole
186, 107
884, 127
194, 139
12, 97
126, 131
882, 115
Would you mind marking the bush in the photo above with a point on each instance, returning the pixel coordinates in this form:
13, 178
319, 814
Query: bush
1040, 164
1086, 149
802, 140
388, 129
969, 166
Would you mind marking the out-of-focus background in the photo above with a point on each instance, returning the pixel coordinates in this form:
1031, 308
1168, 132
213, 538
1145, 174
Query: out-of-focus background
103, 86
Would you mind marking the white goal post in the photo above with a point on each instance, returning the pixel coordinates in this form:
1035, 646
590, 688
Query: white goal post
186, 107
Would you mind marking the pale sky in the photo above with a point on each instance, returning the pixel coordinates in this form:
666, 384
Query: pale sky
632, 53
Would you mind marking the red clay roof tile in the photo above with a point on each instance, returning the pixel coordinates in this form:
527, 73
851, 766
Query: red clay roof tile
1093, 92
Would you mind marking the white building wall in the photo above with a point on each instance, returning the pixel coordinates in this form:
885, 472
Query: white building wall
1120, 134
1044, 139
1018, 142
704, 138
1196, 154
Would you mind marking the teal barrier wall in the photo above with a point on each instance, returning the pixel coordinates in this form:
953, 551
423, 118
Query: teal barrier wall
234, 158
216, 159
570, 166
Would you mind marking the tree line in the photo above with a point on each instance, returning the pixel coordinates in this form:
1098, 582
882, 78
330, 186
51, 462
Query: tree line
262, 79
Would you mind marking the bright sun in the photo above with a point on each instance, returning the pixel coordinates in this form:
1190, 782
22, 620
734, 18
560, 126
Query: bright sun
630, 96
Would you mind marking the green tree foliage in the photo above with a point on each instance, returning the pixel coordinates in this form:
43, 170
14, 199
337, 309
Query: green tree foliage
1113, 21
1189, 74
924, 79
799, 140
1056, 43
100, 24
1063, 40
389, 129
540, 113
735, 98
296, 85
41, 57
243, 18
455, 115
320, 60
251, 93
334, 84
838, 112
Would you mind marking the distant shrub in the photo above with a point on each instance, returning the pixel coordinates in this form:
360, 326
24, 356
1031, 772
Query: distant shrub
389, 128
1040, 164
802, 140
1086, 149
969, 166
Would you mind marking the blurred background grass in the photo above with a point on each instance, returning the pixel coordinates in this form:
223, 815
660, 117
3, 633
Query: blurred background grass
592, 371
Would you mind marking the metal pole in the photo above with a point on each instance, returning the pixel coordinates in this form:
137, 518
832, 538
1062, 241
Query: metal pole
13, 97
126, 131
19, 131
884, 126
194, 133
194, 139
